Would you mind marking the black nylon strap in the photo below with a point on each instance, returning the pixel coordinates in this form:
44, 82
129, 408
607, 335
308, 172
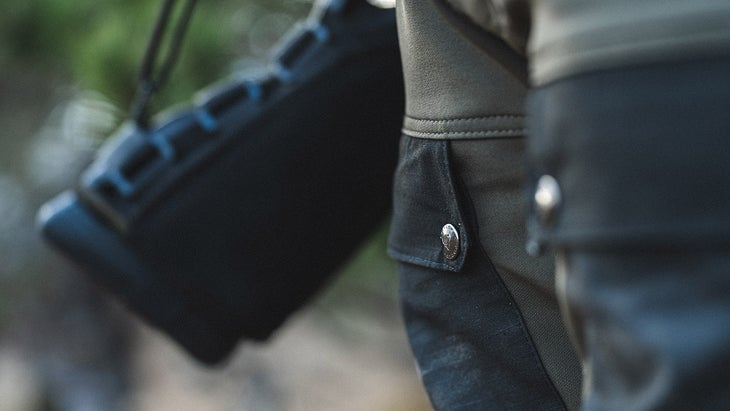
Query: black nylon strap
149, 81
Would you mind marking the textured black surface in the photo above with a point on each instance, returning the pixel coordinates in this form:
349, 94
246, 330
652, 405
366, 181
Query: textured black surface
260, 196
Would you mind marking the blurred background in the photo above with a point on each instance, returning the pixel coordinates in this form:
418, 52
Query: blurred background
67, 77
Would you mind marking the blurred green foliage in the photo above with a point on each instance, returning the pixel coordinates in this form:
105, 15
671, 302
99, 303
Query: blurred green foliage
98, 45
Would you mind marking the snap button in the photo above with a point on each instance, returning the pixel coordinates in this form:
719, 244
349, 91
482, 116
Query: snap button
547, 198
450, 241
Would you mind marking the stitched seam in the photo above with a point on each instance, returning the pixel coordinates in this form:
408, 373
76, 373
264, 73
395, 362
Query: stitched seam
449, 120
506, 130
521, 323
473, 222
463, 133
412, 259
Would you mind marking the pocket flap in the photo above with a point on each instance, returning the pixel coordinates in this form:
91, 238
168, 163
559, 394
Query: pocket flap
425, 201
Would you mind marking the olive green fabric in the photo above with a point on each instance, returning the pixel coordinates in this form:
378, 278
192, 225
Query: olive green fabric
460, 82
573, 36
508, 19
576, 36
492, 173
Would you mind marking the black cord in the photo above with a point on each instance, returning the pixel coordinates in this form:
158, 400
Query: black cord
149, 82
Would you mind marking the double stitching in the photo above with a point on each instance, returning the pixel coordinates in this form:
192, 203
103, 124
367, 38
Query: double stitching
467, 134
487, 126
449, 120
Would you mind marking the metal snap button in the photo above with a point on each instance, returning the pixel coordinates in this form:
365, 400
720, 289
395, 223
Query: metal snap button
450, 241
547, 198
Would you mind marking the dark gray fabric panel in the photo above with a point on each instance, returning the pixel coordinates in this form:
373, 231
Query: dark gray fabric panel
493, 175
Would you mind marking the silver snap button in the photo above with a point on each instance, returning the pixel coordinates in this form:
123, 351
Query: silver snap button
450, 241
547, 197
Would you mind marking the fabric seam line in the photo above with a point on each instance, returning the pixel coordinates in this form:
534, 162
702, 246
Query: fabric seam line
485, 133
465, 119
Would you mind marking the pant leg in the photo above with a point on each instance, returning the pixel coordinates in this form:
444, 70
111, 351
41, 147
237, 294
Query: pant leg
478, 341
482, 318
636, 206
